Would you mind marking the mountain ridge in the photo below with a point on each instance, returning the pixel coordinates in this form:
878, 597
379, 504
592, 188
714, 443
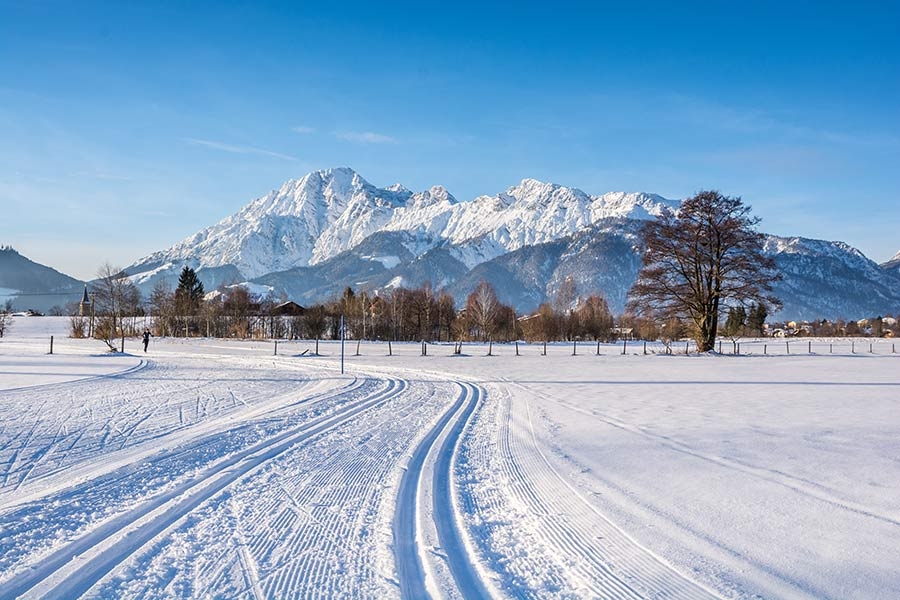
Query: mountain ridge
309, 220
28, 284
330, 229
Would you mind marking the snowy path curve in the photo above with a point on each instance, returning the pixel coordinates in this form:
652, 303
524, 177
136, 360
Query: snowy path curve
109, 545
439, 446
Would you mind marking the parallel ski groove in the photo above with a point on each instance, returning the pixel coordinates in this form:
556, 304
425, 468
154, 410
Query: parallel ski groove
167, 508
407, 553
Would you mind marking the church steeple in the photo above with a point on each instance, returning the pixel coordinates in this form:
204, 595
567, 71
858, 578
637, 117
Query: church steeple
84, 308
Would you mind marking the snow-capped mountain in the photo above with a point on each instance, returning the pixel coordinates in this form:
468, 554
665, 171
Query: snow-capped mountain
314, 236
303, 222
831, 280
311, 220
893, 264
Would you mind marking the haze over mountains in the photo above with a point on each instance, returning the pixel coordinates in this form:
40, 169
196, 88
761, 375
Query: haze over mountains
314, 236
28, 284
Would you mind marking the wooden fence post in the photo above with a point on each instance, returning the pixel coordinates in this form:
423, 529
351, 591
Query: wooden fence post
51, 344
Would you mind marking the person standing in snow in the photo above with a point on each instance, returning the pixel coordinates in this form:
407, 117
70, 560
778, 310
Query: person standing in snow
146, 338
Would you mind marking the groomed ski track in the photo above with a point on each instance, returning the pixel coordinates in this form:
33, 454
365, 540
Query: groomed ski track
139, 524
414, 561
118, 539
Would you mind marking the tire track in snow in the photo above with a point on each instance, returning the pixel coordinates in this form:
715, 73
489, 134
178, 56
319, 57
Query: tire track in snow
116, 540
409, 557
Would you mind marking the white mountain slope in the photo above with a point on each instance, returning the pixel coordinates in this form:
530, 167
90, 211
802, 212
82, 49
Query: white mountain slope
893, 264
315, 218
302, 222
824, 279
533, 213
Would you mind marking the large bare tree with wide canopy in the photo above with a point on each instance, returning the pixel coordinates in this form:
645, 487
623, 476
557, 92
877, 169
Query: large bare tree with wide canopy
701, 259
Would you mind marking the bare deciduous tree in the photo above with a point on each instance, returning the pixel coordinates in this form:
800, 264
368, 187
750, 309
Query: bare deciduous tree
162, 309
482, 309
5, 317
594, 318
695, 260
116, 297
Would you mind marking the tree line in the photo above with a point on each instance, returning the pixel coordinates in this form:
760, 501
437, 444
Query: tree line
400, 314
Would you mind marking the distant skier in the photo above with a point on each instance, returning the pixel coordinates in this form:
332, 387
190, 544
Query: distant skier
146, 338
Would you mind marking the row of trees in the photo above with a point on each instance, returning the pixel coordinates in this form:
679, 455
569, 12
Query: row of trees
401, 314
421, 313
741, 322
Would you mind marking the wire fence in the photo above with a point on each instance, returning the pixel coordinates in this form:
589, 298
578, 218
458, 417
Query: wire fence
727, 347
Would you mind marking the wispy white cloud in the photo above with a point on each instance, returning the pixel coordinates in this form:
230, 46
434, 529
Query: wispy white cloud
303, 129
365, 137
235, 149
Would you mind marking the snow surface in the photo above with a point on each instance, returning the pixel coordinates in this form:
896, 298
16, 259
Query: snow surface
219, 469
389, 262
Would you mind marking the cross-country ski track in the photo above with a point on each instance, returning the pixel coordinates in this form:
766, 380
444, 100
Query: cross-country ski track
124, 535
215, 469
414, 562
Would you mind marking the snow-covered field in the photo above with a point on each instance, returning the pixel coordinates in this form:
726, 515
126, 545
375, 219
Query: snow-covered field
218, 469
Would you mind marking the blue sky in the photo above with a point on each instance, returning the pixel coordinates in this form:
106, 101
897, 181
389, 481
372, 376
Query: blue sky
127, 126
